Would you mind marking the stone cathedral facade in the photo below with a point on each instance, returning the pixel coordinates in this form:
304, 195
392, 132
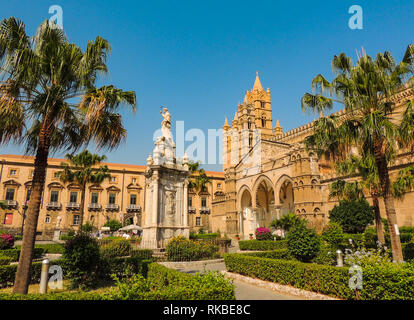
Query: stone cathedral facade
268, 172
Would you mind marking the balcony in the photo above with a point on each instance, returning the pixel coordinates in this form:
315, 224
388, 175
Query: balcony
133, 208
94, 207
191, 210
53, 206
73, 206
112, 207
204, 210
11, 204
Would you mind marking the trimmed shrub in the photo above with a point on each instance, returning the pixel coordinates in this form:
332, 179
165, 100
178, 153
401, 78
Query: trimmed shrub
255, 245
303, 243
81, 259
406, 229
204, 236
182, 249
4, 261
274, 254
353, 216
48, 248
333, 235
182, 286
408, 251
406, 237
57, 296
116, 248
142, 254
14, 254
263, 234
114, 225
390, 282
8, 273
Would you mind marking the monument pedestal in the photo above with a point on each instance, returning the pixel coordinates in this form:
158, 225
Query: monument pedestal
166, 203
56, 235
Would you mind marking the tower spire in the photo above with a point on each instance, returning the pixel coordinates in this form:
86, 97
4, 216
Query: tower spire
257, 84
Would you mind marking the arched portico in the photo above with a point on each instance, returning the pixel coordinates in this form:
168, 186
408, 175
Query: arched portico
264, 201
285, 201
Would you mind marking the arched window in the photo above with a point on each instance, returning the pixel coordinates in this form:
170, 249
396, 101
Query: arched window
263, 121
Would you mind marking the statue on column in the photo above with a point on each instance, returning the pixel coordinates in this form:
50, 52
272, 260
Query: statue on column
166, 123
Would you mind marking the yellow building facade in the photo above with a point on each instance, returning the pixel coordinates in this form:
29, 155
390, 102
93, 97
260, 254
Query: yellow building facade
121, 197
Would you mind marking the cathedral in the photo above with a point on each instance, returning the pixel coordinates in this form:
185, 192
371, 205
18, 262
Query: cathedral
269, 172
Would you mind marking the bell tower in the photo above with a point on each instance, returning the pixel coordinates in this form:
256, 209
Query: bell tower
262, 106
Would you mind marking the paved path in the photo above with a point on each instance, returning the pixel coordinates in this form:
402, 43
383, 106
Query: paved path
245, 291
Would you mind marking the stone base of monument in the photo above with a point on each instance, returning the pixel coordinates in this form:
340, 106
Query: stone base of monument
159, 236
56, 235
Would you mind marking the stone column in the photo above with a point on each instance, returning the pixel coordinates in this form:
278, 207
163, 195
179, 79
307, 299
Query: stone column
155, 200
185, 218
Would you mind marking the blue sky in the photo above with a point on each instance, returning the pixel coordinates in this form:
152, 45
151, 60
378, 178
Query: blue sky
198, 58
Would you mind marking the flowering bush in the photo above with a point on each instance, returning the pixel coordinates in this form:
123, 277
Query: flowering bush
367, 257
6, 241
263, 234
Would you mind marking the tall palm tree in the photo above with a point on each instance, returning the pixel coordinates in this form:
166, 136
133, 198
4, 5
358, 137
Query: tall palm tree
366, 90
199, 179
366, 168
82, 170
49, 102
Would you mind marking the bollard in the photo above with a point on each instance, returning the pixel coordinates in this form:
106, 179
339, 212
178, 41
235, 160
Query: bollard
44, 277
340, 261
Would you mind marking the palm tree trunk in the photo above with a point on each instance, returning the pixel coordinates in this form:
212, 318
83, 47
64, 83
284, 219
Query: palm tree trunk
82, 207
378, 221
22, 280
389, 202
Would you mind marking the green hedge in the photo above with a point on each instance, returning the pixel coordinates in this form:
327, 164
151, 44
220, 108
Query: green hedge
116, 266
267, 245
5, 260
204, 236
166, 284
183, 286
274, 254
48, 248
7, 273
181, 249
379, 283
142, 253
57, 296
406, 229
15, 253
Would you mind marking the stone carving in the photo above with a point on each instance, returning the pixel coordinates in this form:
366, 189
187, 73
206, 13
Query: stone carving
170, 206
58, 222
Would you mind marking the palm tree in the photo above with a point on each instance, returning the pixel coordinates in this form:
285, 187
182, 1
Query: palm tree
366, 168
200, 179
366, 90
80, 170
49, 102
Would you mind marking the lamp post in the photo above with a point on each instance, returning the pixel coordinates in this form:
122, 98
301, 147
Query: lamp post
44, 276
340, 261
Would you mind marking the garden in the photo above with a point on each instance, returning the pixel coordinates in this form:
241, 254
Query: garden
112, 270
344, 261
